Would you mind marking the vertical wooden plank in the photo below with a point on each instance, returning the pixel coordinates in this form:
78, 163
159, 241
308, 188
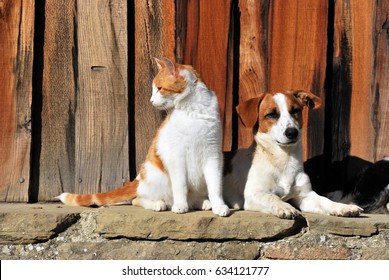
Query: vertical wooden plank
16, 45
340, 97
380, 110
352, 97
169, 25
150, 42
297, 45
361, 129
101, 118
230, 124
253, 76
56, 163
206, 45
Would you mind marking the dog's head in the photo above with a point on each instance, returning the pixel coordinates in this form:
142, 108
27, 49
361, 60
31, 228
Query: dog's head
278, 116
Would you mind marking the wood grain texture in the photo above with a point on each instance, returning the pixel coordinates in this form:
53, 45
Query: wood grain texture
353, 100
253, 56
57, 154
362, 14
16, 45
101, 142
150, 42
297, 45
380, 102
203, 41
341, 92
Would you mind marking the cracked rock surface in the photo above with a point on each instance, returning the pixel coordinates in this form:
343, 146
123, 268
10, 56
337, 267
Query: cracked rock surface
55, 231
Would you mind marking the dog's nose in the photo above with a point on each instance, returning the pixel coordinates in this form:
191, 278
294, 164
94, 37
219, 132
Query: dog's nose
291, 133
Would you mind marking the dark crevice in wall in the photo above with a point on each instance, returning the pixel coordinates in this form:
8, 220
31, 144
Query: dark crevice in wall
235, 25
131, 87
36, 106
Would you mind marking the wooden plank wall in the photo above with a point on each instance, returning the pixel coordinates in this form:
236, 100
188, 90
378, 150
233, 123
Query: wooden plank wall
84, 118
81, 71
16, 64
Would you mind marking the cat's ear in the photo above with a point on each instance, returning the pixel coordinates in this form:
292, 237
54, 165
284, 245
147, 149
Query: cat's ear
167, 63
171, 66
160, 63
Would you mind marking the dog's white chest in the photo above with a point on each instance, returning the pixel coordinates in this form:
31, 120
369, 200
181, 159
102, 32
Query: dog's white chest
275, 172
285, 183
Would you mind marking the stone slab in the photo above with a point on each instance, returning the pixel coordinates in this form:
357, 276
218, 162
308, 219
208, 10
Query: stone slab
31, 223
136, 223
365, 225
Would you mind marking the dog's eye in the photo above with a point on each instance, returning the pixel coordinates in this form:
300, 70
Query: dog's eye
295, 111
272, 115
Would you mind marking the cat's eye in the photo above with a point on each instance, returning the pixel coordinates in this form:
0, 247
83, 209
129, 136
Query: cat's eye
272, 115
159, 88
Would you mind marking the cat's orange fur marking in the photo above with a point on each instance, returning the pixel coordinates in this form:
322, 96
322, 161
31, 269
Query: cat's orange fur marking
152, 154
168, 83
124, 193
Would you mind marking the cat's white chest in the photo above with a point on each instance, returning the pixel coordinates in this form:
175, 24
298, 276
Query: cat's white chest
188, 133
187, 140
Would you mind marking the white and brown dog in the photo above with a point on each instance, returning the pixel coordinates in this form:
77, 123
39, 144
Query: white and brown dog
269, 176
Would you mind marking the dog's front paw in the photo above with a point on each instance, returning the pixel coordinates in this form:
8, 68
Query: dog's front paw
180, 208
347, 211
221, 210
286, 211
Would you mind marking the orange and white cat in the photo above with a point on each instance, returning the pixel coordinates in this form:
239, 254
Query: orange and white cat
183, 167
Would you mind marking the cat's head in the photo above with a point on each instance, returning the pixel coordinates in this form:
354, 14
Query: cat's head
172, 83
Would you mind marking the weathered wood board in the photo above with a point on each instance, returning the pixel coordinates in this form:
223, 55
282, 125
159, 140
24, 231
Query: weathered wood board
84, 137
150, 42
16, 64
380, 91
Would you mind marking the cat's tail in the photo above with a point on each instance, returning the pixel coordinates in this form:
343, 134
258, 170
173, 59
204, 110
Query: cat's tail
121, 194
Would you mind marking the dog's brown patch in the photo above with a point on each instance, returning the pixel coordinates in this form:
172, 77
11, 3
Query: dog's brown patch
267, 108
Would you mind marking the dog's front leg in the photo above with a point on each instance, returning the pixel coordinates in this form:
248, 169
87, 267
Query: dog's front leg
309, 201
258, 196
271, 204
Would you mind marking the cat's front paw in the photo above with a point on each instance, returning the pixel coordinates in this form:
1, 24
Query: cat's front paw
206, 205
221, 210
180, 208
159, 205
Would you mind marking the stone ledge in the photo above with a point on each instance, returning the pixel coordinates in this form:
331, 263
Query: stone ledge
136, 223
55, 231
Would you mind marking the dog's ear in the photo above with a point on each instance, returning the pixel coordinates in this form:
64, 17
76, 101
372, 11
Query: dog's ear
248, 111
307, 98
